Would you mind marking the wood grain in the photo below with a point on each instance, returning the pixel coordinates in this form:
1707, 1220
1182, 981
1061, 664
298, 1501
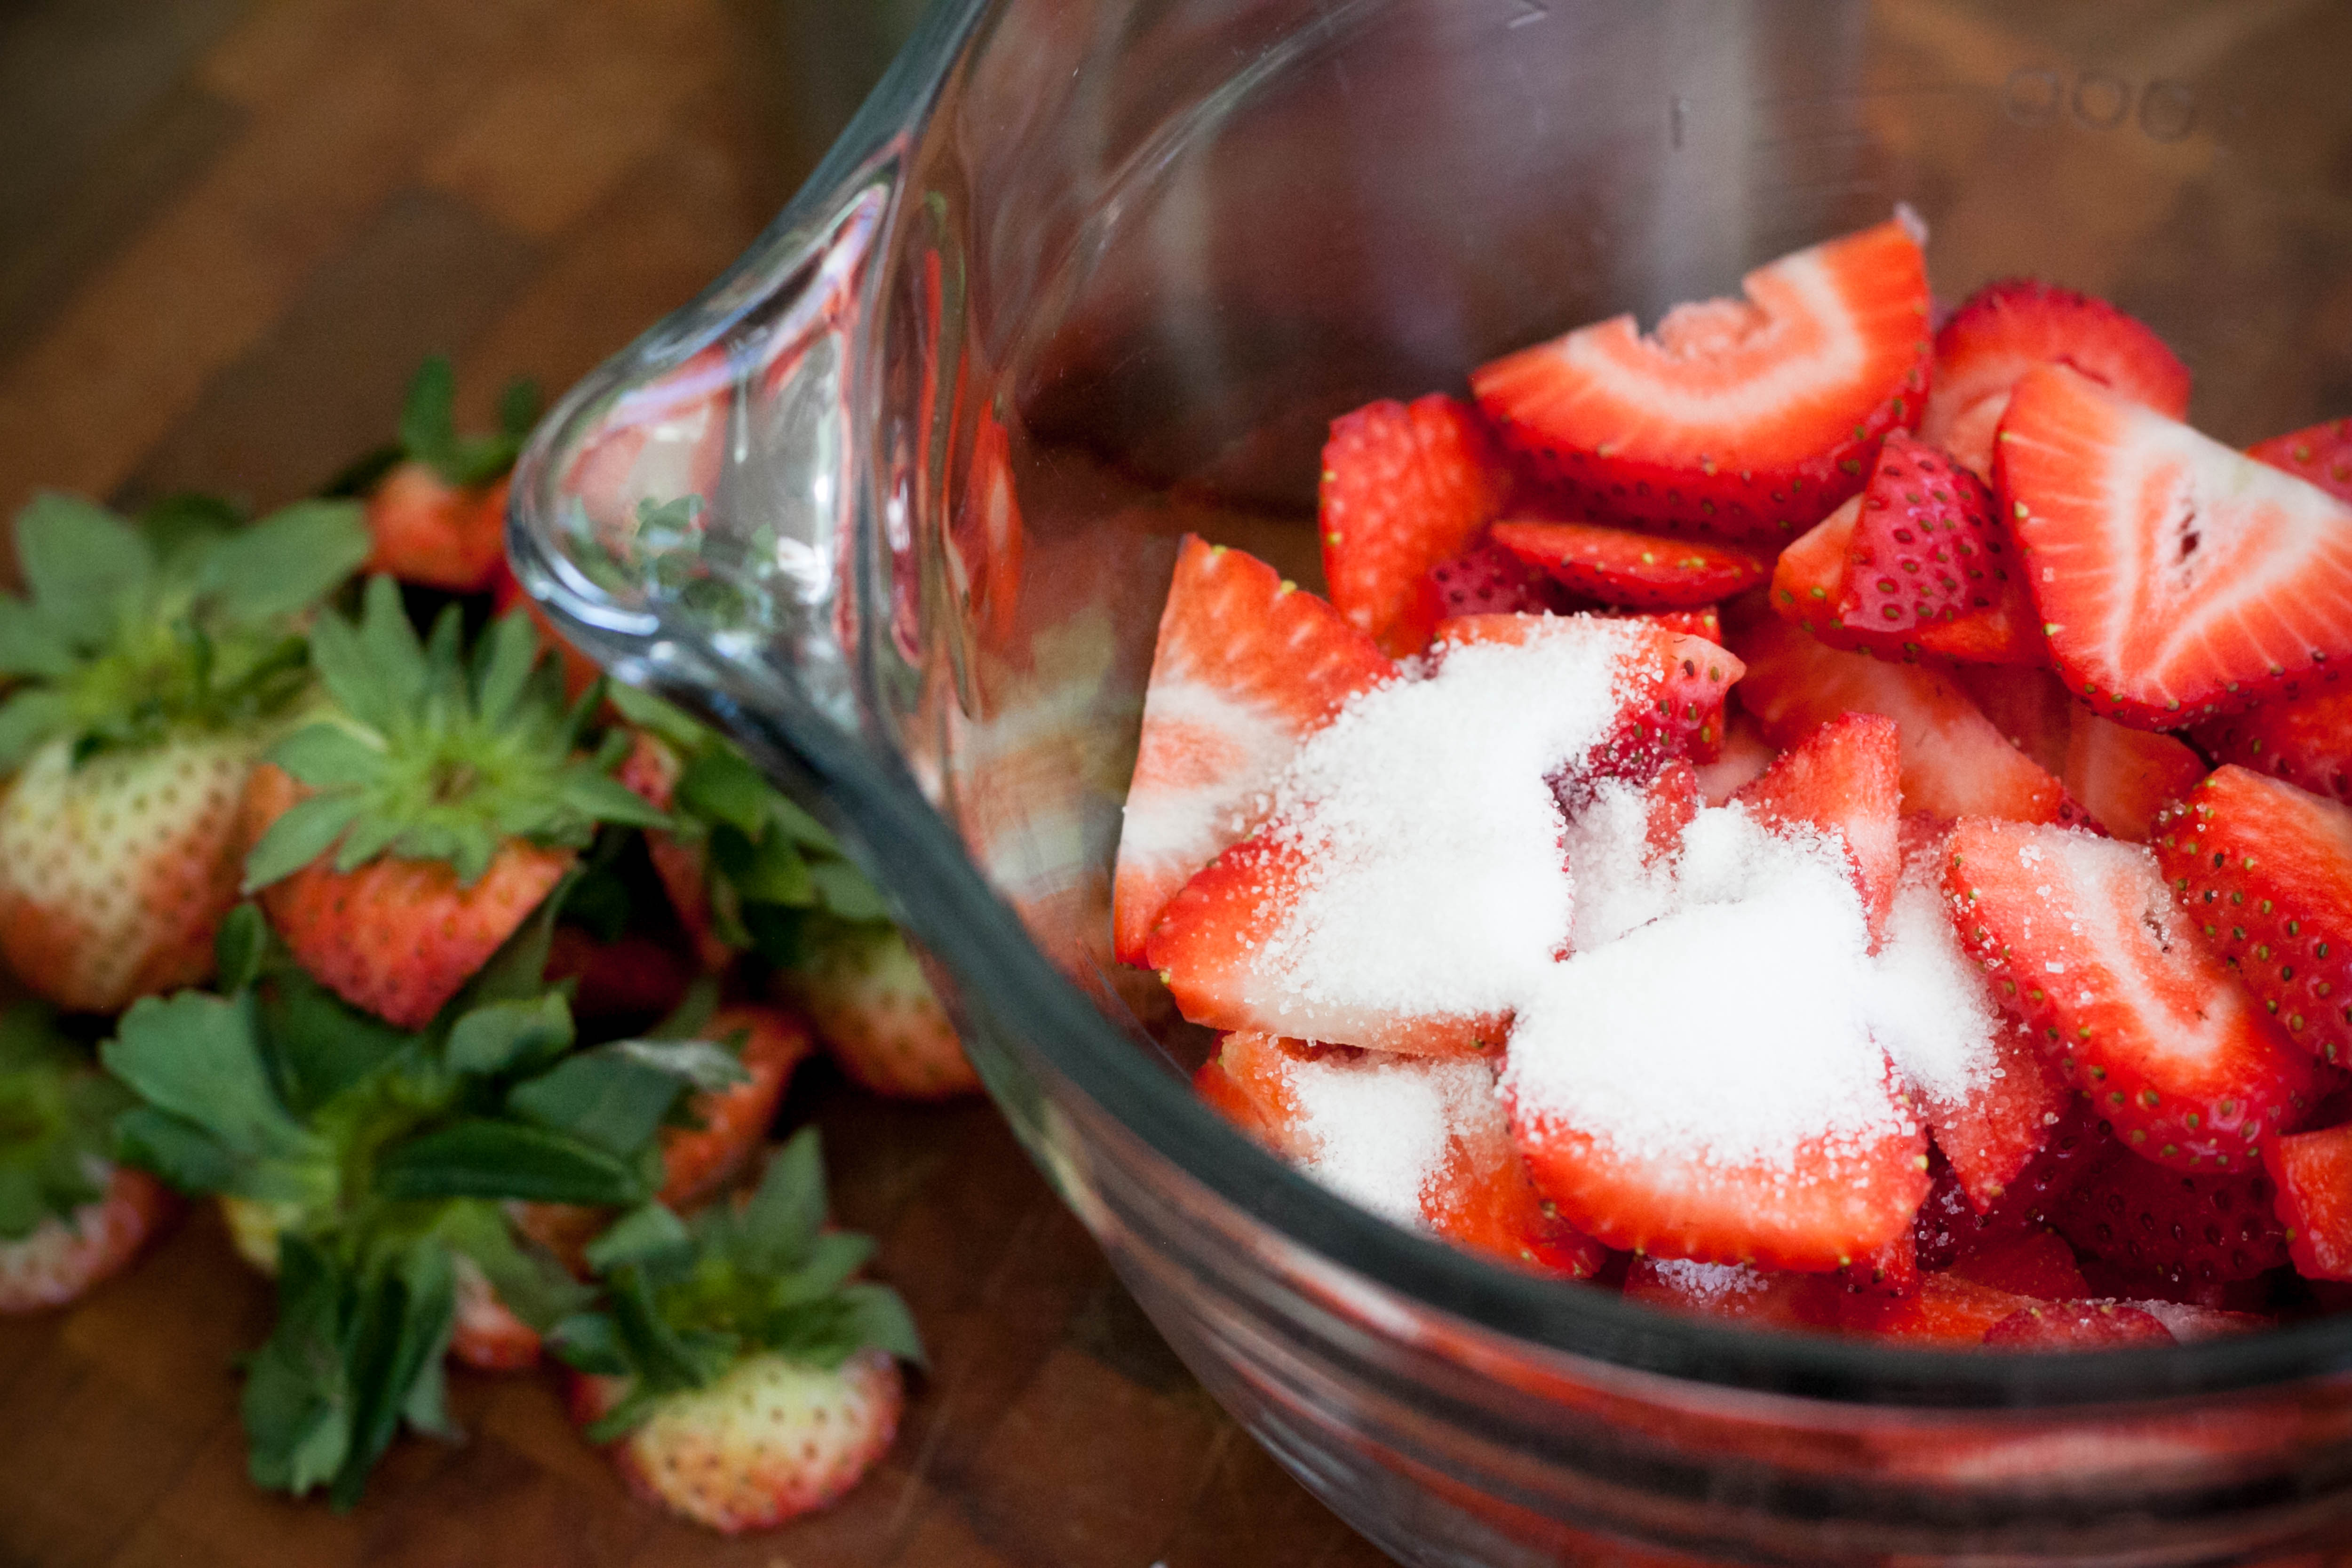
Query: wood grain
236, 228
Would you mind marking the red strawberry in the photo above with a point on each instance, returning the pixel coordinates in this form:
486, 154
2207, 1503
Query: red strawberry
2320, 455
397, 937
698, 1162
2305, 739
2123, 777
115, 870
1488, 580
1926, 549
1746, 754
2206, 1227
1809, 581
1617, 566
1843, 779
2077, 1326
2032, 708
1703, 622
651, 771
772, 1438
1954, 762
428, 530
2036, 1263
2175, 578
59, 1259
865, 993
632, 979
2265, 871
2314, 1173
1478, 1196
1944, 1309
2087, 949
2005, 328
1674, 710
1246, 667
485, 1334
1674, 801
1406, 486
1892, 1270
1954, 1225
1740, 419
1731, 1290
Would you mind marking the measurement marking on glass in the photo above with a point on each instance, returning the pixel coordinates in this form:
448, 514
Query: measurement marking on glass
1677, 120
1528, 13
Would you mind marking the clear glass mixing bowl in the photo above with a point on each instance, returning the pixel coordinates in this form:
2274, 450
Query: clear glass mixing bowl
898, 498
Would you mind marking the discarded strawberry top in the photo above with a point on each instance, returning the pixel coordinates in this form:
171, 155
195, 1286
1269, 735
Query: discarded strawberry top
1804, 945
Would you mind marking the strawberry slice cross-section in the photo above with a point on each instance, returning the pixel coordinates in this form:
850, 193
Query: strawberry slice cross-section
1640, 571
2086, 948
1246, 667
2176, 578
1739, 420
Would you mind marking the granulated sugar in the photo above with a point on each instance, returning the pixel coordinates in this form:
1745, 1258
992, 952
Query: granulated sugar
1377, 1128
1931, 1009
1435, 882
1618, 886
1728, 1031
1707, 1284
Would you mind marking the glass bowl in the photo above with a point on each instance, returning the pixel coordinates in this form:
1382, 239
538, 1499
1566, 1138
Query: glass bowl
896, 500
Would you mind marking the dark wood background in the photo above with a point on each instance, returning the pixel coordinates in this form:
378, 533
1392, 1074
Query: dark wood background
228, 230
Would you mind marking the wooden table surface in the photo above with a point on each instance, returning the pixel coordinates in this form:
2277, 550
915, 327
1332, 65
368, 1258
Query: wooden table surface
228, 230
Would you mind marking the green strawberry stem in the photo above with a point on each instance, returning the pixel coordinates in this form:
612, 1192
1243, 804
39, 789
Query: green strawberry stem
56, 1123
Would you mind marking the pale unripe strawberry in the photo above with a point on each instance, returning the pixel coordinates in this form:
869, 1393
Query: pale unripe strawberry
61, 1259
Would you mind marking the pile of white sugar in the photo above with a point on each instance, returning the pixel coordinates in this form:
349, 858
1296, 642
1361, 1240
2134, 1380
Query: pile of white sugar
1378, 1129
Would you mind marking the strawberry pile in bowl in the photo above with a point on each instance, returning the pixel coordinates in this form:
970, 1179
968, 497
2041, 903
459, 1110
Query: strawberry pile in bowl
1804, 816
468, 987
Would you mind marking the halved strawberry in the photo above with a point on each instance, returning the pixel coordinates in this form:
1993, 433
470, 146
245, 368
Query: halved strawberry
1761, 1299
1739, 420
1353, 1118
2077, 1326
1673, 708
2305, 739
1892, 1270
1209, 944
1954, 1226
2321, 455
1673, 801
1944, 1309
2005, 328
2175, 578
2217, 1226
2032, 708
1617, 566
2036, 1263
1809, 580
2123, 777
2314, 1173
1702, 622
1744, 756
1844, 778
2265, 871
2087, 949
1405, 487
1954, 762
1487, 579
1246, 666
1926, 549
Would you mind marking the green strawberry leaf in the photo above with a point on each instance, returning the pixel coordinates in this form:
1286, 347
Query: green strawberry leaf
320, 1047
517, 971
307, 829
705, 1066
299, 1404
604, 798
395, 665
362, 474
527, 1277
845, 890
786, 1213
428, 419
328, 756
603, 1098
402, 1330
31, 643
182, 526
369, 836
286, 563
643, 1234
648, 713
195, 1057
29, 717
344, 667
240, 948
501, 1037
691, 1016
485, 1158
519, 409
80, 561
721, 785
769, 870
879, 1317
590, 1342
186, 1157
802, 828
505, 660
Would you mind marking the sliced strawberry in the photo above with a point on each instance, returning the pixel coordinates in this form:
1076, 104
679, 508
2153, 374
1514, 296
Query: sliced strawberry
1954, 762
1676, 709
2036, 1263
1809, 574
1313, 1106
2123, 777
1745, 755
2077, 1326
1739, 419
2088, 951
1207, 948
1944, 1309
2264, 870
1892, 1270
1993, 1136
1703, 622
1246, 667
1843, 779
1810, 579
2320, 456
1487, 579
1731, 1290
2305, 739
1642, 570
2175, 578
2207, 1227
2191, 1323
2314, 1173
1925, 548
2032, 708
1405, 487
2005, 328
1674, 801
1953, 1225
